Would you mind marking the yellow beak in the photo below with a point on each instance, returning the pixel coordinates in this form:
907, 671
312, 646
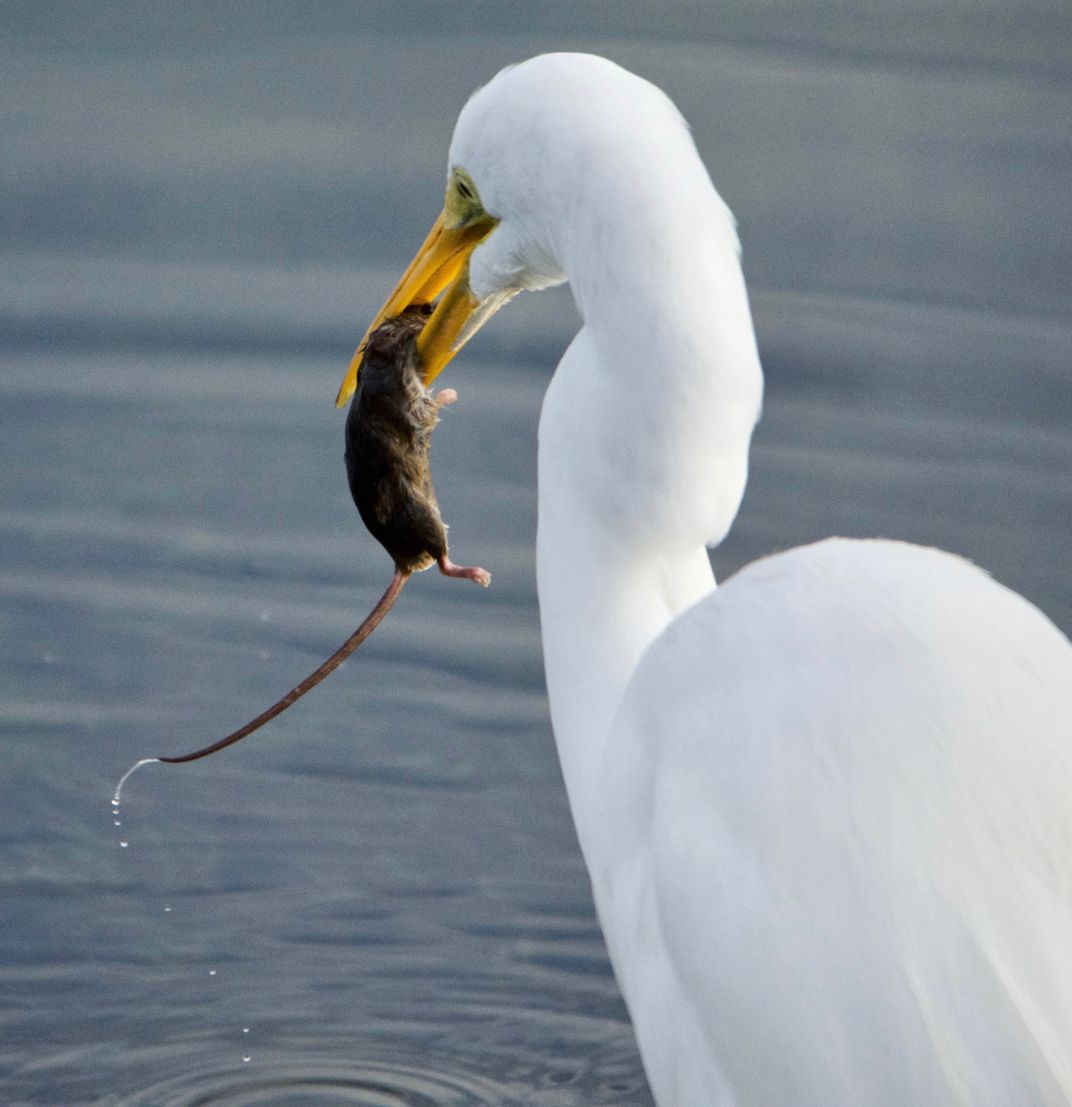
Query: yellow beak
441, 266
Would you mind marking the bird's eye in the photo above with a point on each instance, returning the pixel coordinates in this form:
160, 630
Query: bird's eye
465, 190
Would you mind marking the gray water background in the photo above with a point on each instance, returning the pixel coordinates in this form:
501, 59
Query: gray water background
200, 207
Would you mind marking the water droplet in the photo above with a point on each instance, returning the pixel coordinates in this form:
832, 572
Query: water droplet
124, 844
211, 972
245, 1029
126, 776
116, 822
167, 907
247, 1059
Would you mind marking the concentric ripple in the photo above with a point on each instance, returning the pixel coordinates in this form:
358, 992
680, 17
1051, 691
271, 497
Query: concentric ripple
375, 1084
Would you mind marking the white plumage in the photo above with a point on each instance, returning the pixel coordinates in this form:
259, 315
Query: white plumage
833, 850
825, 808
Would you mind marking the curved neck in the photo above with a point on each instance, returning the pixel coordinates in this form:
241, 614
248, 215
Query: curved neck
644, 436
601, 606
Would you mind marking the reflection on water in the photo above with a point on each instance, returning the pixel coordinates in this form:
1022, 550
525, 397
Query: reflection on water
378, 899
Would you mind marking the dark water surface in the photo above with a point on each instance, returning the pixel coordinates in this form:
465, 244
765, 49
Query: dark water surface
200, 207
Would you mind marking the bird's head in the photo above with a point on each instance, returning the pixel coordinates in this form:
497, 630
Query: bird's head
531, 149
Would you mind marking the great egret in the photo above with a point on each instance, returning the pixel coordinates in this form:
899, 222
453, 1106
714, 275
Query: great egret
827, 808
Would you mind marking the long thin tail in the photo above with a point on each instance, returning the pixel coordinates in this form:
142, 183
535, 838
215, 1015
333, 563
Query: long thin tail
386, 602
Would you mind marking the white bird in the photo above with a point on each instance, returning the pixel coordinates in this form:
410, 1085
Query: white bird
826, 808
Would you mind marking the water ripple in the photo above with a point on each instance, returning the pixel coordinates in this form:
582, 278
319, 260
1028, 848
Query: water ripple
372, 1084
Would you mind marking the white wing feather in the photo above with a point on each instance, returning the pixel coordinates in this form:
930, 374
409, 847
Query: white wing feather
837, 821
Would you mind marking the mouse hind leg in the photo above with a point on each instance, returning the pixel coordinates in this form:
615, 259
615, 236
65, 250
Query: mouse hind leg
464, 572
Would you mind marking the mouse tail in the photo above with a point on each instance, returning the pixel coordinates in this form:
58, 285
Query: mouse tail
375, 616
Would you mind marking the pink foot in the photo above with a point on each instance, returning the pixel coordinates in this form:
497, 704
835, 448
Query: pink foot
445, 396
465, 572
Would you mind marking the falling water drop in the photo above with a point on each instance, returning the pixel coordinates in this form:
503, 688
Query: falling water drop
245, 1029
247, 1059
116, 822
123, 779
124, 844
167, 906
211, 972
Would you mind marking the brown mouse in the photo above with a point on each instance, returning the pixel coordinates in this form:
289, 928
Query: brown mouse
388, 441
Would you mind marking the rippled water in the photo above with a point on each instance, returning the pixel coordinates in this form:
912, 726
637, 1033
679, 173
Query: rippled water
379, 900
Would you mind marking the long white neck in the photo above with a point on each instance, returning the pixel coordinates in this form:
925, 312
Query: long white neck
643, 452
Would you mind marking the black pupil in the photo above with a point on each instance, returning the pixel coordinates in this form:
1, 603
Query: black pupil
464, 190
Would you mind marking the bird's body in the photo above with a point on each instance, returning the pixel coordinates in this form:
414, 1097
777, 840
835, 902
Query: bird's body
825, 808
833, 841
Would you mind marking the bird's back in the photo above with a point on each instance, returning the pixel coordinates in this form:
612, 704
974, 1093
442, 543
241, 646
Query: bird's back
849, 771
